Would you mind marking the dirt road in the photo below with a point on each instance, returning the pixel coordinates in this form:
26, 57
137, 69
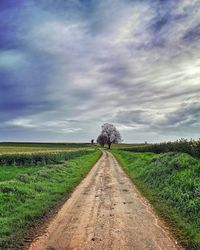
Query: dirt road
105, 212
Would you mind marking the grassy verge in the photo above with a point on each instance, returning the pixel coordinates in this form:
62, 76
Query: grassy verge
29, 195
171, 182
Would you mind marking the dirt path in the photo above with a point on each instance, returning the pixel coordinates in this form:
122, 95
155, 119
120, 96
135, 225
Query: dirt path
105, 212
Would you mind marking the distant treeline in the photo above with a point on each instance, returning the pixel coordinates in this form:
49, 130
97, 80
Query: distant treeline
191, 147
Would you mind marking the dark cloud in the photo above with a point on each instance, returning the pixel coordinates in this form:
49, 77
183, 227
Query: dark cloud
187, 113
133, 117
180, 120
68, 66
193, 34
10, 4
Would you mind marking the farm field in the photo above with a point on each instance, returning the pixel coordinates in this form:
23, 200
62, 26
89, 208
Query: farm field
34, 181
171, 182
29, 191
126, 145
11, 147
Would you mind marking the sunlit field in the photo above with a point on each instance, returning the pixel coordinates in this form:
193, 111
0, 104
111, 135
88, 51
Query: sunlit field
10, 148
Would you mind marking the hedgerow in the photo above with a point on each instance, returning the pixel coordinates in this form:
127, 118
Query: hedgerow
39, 158
191, 147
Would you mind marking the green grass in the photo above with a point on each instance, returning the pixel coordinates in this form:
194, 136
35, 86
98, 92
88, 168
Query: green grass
30, 192
9, 172
41, 158
171, 182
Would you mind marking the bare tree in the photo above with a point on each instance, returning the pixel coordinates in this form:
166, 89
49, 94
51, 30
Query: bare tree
110, 134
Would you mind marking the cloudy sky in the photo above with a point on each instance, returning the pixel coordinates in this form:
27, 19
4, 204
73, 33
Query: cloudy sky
68, 66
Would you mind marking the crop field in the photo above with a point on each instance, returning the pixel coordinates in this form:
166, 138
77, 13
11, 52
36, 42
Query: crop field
31, 184
171, 181
11, 148
126, 146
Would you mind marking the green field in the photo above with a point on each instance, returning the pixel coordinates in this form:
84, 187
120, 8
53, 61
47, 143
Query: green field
28, 192
171, 182
17, 147
35, 177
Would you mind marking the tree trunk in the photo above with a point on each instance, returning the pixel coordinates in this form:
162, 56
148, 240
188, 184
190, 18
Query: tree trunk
109, 144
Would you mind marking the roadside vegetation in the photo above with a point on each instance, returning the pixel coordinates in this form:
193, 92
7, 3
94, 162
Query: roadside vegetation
191, 147
171, 181
28, 192
55, 157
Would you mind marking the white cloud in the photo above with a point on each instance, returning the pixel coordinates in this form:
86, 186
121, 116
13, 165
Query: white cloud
21, 122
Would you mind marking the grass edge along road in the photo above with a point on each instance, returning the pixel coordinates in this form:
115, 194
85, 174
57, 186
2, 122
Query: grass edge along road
171, 183
27, 198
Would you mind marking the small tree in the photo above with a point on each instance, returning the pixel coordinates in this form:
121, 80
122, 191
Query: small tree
102, 140
110, 134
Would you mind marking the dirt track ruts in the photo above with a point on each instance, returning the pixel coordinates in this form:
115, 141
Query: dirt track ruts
105, 211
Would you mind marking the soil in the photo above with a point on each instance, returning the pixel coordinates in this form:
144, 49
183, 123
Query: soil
106, 211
